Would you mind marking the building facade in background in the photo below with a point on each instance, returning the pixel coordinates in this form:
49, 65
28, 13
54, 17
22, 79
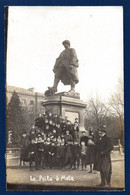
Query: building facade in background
30, 100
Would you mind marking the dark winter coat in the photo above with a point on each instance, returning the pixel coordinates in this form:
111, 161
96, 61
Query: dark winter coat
59, 130
90, 155
61, 151
32, 148
84, 139
103, 149
68, 138
39, 122
76, 151
24, 143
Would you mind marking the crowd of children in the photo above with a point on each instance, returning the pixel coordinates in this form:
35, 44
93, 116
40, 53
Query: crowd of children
54, 142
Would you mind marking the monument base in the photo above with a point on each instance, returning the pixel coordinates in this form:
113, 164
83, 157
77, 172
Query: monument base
64, 105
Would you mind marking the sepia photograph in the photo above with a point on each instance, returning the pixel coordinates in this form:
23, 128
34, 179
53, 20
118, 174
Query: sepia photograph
64, 98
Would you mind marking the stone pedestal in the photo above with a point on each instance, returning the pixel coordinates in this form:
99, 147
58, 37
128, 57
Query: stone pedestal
65, 105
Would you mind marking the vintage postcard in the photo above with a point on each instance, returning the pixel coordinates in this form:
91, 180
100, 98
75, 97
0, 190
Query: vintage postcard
64, 98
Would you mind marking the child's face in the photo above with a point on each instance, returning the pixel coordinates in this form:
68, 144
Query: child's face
67, 132
75, 143
48, 139
58, 125
33, 141
53, 144
33, 132
54, 139
46, 121
50, 122
40, 139
24, 135
54, 131
38, 130
83, 143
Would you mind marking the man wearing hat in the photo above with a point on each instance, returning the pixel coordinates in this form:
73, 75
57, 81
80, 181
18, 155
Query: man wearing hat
65, 69
103, 149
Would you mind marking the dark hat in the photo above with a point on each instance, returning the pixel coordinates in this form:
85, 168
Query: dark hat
66, 41
103, 128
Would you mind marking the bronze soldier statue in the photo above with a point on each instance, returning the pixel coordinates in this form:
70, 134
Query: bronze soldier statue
65, 69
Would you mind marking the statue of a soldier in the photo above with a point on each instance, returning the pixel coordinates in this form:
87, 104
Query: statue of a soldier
65, 69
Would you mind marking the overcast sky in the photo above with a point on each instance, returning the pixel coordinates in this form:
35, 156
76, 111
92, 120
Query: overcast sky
35, 36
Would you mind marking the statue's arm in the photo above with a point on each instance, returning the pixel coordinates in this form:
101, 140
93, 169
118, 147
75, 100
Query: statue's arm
57, 63
73, 58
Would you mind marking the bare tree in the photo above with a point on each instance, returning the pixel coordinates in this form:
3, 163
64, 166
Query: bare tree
96, 112
116, 104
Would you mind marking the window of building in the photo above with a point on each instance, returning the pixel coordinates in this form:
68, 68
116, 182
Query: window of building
31, 102
42, 103
23, 102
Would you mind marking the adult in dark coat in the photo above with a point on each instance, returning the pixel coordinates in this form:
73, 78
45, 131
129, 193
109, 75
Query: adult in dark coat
68, 137
32, 154
90, 155
24, 143
103, 149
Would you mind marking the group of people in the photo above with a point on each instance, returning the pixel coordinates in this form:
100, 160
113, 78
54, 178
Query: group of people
54, 143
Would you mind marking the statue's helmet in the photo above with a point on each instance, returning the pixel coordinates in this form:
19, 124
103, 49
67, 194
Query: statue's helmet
66, 41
